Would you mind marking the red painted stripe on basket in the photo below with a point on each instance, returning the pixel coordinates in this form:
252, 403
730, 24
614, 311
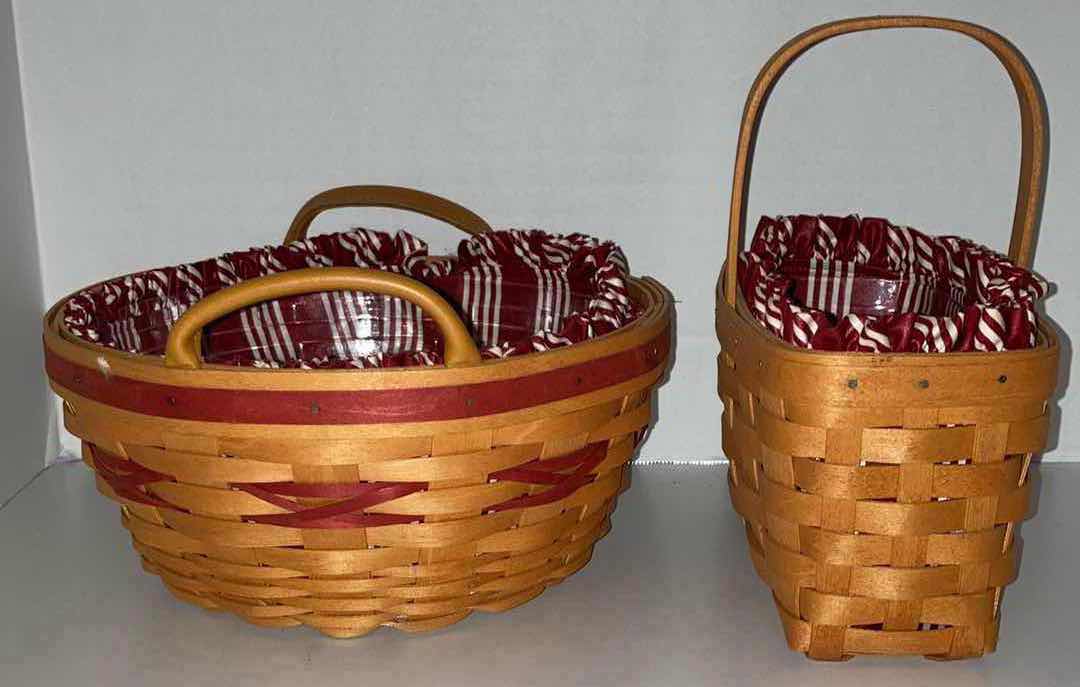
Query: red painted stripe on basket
372, 406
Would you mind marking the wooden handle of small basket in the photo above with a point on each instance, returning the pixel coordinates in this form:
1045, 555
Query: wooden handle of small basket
386, 197
182, 347
1032, 126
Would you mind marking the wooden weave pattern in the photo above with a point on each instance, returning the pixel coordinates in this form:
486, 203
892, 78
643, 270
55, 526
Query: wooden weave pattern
453, 557
483, 532
346, 500
881, 528
881, 493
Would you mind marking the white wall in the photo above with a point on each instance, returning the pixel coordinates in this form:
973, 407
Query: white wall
163, 132
27, 429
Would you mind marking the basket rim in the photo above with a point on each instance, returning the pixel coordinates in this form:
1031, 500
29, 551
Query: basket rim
658, 303
1046, 346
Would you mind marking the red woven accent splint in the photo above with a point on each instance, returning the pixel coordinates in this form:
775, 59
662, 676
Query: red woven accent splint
127, 478
564, 474
550, 471
341, 514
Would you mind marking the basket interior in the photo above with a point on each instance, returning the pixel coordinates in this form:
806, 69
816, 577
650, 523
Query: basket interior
516, 291
855, 284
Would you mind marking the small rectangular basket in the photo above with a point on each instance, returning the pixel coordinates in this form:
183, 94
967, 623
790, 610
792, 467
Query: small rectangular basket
881, 492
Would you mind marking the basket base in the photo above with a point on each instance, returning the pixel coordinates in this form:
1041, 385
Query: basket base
344, 615
842, 643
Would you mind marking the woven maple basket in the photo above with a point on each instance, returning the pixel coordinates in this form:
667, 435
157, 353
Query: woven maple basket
441, 490
881, 492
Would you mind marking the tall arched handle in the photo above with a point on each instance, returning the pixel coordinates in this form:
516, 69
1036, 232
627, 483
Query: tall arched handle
386, 197
1032, 126
182, 347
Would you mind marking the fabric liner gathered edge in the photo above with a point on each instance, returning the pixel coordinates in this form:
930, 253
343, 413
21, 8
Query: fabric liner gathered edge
985, 302
171, 290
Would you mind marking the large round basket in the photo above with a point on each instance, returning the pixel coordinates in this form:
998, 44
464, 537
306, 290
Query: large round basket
881, 493
346, 500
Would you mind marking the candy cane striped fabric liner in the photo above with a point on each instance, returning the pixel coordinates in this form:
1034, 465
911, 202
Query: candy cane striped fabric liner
826, 290
363, 330
829, 285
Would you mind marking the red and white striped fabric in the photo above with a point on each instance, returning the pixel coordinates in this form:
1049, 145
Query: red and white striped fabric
853, 284
518, 291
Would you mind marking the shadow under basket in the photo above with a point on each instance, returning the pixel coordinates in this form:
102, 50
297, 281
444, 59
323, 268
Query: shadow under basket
347, 499
882, 492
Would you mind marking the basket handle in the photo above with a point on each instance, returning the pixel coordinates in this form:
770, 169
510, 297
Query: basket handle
386, 197
1032, 126
183, 345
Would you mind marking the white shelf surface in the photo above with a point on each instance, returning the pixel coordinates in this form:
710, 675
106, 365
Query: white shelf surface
670, 598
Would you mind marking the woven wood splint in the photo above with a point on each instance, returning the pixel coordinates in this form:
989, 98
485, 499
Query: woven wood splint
881, 492
348, 499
